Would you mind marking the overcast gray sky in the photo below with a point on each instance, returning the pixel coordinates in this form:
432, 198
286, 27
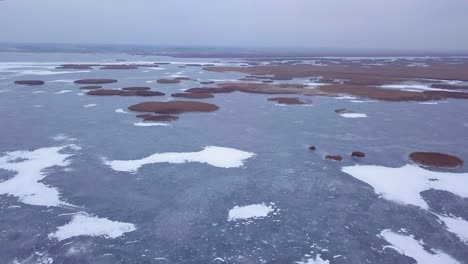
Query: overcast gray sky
395, 24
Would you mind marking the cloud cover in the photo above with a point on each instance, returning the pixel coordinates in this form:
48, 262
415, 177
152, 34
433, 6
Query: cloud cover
351, 24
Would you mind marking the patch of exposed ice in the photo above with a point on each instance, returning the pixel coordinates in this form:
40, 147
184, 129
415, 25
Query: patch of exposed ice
353, 115
89, 105
84, 224
252, 211
63, 91
149, 124
316, 260
215, 156
30, 168
120, 110
408, 246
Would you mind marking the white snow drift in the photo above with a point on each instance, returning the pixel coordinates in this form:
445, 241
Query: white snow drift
353, 115
83, 224
215, 156
408, 246
403, 185
121, 111
30, 168
316, 260
150, 124
250, 211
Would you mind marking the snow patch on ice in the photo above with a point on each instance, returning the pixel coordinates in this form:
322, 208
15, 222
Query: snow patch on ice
252, 211
40, 72
215, 156
61, 137
362, 101
63, 91
64, 81
84, 224
30, 168
456, 225
412, 87
408, 246
89, 105
316, 260
403, 185
36, 258
429, 103
353, 115
346, 97
149, 124
120, 110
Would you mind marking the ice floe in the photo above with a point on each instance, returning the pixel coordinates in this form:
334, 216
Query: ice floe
83, 224
149, 124
353, 115
30, 168
252, 211
408, 246
215, 156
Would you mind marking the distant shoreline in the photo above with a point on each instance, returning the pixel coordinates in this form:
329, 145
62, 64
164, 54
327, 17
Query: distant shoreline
220, 52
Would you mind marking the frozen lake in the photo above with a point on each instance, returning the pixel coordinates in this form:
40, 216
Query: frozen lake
82, 180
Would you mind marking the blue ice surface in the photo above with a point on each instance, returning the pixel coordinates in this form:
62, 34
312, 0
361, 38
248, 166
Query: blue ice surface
180, 210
